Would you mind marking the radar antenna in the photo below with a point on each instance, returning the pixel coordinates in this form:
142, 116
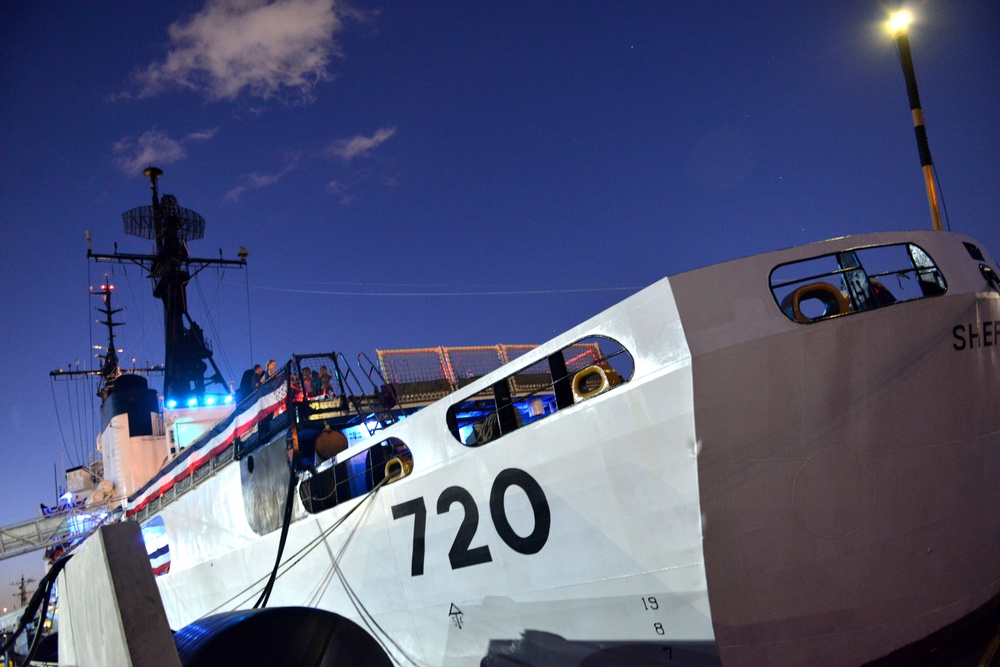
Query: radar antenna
188, 354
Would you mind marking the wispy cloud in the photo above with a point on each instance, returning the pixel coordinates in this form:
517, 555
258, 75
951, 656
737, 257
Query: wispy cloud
154, 147
256, 180
202, 135
343, 191
347, 149
260, 47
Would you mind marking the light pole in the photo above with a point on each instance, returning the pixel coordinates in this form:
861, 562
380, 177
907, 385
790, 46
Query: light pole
898, 24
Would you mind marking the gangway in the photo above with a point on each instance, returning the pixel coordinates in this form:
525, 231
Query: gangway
55, 530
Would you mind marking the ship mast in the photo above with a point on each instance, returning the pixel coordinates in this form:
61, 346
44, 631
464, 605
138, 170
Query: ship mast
898, 24
110, 369
187, 355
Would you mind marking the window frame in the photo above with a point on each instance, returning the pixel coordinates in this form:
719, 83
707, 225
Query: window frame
850, 288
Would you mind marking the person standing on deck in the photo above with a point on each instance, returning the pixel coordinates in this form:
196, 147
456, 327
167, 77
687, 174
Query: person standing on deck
250, 380
272, 366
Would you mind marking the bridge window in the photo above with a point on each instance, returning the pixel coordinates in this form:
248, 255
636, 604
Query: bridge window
851, 281
576, 373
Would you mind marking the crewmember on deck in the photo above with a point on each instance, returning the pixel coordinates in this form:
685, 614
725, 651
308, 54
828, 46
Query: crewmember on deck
251, 378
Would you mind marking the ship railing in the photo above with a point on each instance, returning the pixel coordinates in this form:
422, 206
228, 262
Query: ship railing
374, 393
254, 421
423, 375
409, 379
185, 484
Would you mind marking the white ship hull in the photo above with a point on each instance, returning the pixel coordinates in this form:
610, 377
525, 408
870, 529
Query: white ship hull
623, 560
761, 490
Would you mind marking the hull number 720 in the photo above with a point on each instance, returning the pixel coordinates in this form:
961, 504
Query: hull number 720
462, 553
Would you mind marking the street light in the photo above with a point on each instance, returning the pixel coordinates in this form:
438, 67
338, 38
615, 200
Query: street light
898, 24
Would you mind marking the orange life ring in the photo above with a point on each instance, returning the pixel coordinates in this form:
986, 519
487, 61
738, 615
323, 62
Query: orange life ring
834, 303
404, 465
579, 393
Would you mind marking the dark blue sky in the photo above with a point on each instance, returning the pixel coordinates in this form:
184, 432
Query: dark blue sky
446, 173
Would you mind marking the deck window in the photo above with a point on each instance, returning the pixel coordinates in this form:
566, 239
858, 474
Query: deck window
356, 476
576, 373
851, 281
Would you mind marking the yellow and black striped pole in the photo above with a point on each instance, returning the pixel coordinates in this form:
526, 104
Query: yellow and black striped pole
897, 27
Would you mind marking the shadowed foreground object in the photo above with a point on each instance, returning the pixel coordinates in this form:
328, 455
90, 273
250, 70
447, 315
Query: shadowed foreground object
297, 636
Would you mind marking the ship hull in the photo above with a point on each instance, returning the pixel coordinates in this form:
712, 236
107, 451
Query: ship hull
848, 476
620, 564
761, 491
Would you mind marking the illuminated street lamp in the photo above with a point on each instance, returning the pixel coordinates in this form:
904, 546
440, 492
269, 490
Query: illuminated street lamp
899, 22
897, 25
